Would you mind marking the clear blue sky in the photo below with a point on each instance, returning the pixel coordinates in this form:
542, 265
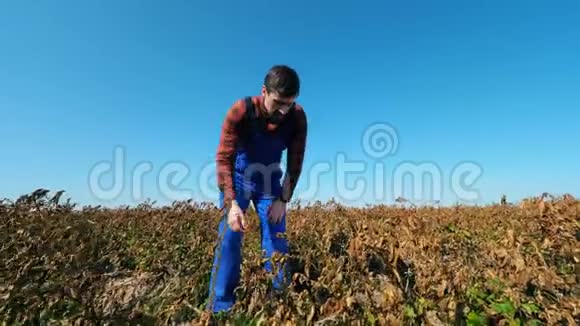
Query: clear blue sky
493, 82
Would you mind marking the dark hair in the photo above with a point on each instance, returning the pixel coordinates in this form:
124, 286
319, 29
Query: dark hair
282, 80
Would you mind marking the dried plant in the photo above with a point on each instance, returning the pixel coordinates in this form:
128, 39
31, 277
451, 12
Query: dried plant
379, 265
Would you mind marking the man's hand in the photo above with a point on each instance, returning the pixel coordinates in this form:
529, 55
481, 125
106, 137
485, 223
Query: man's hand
277, 211
236, 218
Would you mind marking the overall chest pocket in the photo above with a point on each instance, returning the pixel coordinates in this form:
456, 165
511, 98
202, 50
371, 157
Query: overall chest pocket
266, 148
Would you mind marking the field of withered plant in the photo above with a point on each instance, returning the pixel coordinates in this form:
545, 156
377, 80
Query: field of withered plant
504, 264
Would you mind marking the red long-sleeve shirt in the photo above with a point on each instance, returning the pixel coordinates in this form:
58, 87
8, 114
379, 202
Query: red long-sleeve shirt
229, 137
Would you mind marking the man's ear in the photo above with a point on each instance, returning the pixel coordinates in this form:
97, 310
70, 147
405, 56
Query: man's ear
263, 90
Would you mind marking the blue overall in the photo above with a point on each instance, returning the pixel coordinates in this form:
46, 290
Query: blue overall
257, 178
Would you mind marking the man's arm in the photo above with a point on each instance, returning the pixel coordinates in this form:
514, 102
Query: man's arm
226, 151
295, 157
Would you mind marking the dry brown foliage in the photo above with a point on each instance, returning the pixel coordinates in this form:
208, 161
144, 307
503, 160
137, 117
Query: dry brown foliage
501, 264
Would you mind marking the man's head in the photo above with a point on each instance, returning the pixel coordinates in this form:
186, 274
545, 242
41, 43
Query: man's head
280, 89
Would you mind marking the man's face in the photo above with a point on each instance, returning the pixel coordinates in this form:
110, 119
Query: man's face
277, 106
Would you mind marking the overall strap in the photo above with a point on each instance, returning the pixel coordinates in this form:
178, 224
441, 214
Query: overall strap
251, 113
250, 123
250, 110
